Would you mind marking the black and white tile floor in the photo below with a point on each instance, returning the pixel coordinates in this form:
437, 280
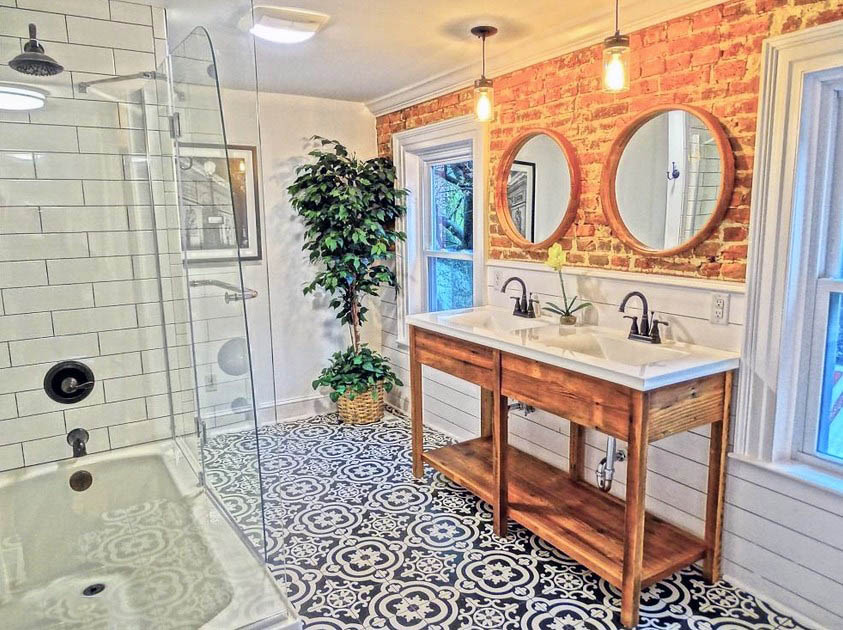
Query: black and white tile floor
364, 546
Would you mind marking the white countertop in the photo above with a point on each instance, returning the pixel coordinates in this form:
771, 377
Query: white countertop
650, 366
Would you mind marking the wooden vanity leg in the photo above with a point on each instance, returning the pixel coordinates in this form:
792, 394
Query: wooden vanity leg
718, 447
487, 411
417, 407
576, 452
500, 466
636, 487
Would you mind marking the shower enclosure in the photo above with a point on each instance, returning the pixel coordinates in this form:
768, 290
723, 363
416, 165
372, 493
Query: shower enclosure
110, 198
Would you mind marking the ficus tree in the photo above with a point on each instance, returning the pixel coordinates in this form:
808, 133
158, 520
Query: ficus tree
349, 208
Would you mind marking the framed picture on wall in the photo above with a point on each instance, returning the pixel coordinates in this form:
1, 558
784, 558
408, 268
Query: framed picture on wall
221, 216
521, 193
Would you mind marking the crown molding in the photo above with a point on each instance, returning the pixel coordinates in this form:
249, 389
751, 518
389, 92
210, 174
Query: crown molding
589, 29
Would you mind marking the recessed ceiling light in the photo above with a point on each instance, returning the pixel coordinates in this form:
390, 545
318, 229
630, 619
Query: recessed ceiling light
286, 25
19, 98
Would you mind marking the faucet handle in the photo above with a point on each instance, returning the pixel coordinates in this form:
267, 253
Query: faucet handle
518, 309
634, 328
533, 306
654, 330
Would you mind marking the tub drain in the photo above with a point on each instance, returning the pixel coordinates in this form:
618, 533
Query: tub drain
81, 480
93, 589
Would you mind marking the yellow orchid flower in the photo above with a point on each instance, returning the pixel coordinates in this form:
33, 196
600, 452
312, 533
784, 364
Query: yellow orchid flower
556, 257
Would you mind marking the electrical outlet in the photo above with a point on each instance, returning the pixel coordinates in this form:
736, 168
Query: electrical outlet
720, 308
497, 279
210, 383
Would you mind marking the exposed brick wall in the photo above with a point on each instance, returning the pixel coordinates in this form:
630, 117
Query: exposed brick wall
711, 59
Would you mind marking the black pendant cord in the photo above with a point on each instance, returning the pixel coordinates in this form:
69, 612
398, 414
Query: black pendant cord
617, 18
483, 32
483, 71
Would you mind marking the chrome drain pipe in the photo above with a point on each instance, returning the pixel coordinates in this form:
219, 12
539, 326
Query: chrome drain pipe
519, 406
606, 468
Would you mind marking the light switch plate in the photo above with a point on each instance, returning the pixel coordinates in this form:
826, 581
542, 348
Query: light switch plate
720, 308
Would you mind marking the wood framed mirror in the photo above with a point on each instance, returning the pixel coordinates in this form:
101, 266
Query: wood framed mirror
537, 188
668, 180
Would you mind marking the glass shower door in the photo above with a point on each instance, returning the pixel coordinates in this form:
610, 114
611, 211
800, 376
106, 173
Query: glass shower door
216, 200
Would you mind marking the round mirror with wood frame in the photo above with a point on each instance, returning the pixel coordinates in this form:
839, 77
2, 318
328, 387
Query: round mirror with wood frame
556, 207
668, 180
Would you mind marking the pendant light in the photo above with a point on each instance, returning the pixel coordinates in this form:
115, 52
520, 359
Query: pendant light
484, 93
616, 59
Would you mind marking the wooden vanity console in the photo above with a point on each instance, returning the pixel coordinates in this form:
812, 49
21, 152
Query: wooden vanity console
616, 539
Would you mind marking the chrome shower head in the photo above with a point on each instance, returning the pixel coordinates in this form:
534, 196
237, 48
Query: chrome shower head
33, 61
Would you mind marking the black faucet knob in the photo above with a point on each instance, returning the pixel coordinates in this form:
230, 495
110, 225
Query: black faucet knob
634, 328
518, 310
654, 330
531, 308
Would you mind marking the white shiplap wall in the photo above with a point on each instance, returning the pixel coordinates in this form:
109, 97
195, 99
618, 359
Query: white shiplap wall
776, 543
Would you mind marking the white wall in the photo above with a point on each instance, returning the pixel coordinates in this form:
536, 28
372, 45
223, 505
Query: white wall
301, 331
642, 182
553, 183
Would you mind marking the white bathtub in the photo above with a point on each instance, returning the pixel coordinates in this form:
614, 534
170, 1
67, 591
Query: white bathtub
145, 530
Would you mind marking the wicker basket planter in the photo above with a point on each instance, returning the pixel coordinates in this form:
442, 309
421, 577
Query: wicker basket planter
363, 409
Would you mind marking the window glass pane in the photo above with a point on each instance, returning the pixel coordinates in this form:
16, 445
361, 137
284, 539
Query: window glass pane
452, 224
449, 284
830, 440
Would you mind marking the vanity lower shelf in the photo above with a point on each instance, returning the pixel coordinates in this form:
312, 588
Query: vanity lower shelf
575, 517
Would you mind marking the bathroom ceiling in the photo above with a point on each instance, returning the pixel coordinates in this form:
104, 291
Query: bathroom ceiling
390, 53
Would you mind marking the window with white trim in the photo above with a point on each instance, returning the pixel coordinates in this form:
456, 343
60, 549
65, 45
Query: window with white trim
822, 379
789, 412
441, 265
448, 224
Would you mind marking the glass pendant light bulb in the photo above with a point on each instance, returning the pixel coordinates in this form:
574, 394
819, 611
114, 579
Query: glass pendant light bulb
616, 59
484, 100
484, 93
616, 69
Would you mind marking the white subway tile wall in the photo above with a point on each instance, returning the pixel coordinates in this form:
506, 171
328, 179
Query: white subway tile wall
80, 265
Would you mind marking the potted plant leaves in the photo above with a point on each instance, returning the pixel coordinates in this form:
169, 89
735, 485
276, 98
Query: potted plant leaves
349, 207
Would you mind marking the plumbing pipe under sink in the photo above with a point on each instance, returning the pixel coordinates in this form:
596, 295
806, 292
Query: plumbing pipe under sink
606, 468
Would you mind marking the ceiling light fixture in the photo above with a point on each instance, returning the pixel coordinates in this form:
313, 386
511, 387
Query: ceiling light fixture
616, 59
19, 98
284, 25
484, 93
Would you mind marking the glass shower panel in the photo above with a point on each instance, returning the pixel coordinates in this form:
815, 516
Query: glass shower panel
160, 170
216, 197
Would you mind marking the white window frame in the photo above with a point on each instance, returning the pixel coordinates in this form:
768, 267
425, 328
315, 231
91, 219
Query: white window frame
814, 380
789, 232
447, 155
414, 151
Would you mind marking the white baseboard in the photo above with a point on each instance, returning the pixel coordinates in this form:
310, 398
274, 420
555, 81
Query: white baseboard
271, 412
295, 408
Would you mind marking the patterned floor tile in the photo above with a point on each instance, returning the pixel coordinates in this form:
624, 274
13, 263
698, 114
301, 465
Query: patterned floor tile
365, 546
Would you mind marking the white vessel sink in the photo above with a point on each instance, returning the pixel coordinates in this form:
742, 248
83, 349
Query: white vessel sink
610, 348
604, 353
495, 321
